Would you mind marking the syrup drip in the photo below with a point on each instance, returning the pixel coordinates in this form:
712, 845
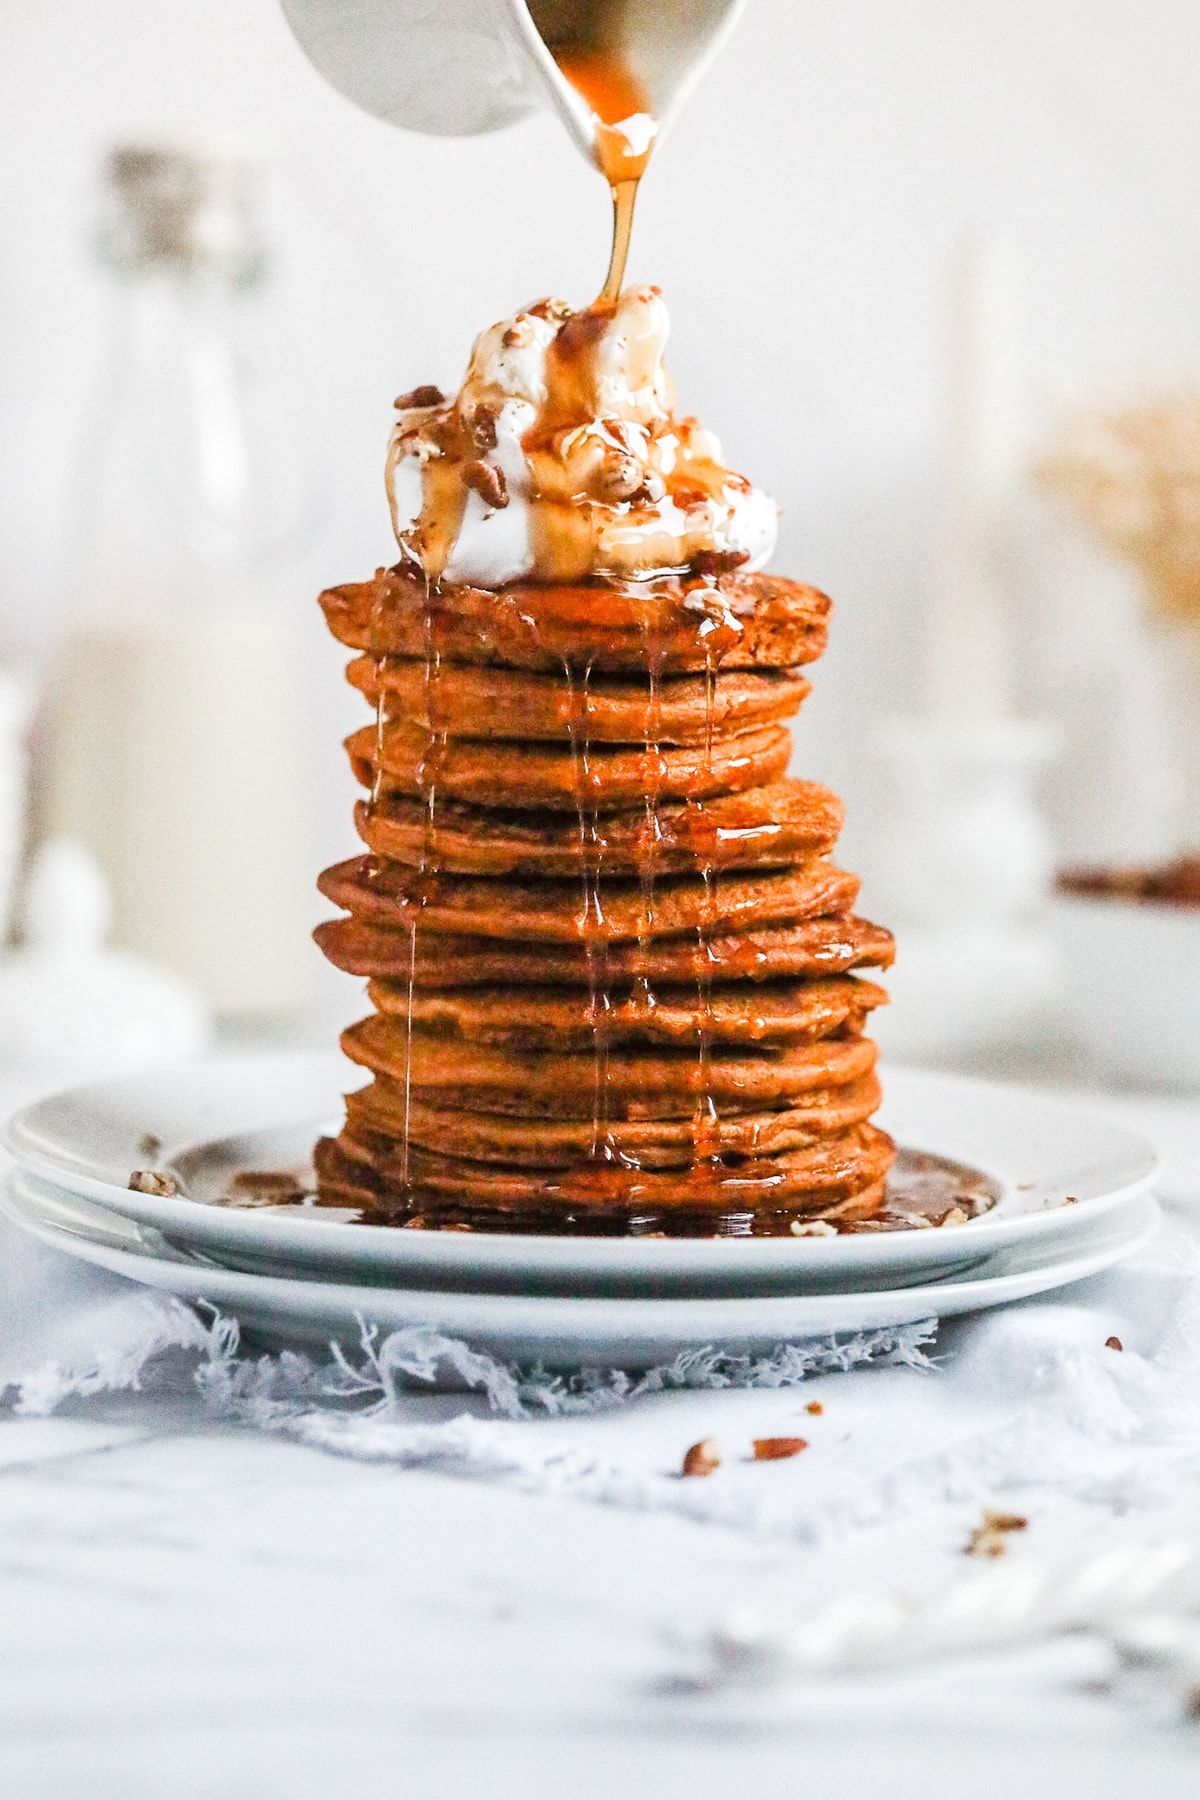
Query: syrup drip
705, 1122
382, 664
655, 776
430, 542
428, 772
592, 925
625, 130
643, 999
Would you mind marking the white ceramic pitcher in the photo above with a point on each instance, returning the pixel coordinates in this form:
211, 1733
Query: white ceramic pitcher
458, 67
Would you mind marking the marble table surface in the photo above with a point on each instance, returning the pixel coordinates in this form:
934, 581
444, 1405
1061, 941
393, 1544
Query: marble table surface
189, 1611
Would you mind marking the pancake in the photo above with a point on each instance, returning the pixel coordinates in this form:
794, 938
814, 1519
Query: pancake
766, 827
830, 1174
609, 961
610, 1208
644, 1143
634, 1083
552, 912
540, 1018
677, 624
480, 702
531, 775
810, 947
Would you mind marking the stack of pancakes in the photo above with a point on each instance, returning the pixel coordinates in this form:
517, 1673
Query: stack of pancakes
610, 963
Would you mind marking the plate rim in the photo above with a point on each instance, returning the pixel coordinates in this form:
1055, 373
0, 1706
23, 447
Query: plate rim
454, 1250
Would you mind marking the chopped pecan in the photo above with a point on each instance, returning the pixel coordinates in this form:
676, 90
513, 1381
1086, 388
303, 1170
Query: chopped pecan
778, 1449
488, 482
990, 1536
266, 1181
703, 1458
1113, 1343
580, 330
264, 1187
719, 562
619, 477
553, 311
150, 1181
424, 396
481, 427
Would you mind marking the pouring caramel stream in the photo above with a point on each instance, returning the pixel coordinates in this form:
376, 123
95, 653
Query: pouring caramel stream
625, 132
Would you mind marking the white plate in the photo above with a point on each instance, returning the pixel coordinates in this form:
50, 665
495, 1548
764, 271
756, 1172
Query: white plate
215, 1117
557, 1330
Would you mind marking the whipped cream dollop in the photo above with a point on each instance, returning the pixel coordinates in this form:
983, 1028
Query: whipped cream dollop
561, 458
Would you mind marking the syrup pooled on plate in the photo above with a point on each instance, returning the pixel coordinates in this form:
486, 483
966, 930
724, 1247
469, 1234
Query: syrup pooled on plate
924, 1192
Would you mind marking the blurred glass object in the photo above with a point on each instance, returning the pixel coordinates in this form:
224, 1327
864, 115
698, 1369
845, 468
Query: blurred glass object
174, 745
962, 872
14, 718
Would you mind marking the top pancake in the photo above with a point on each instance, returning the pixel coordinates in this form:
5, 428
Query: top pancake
675, 624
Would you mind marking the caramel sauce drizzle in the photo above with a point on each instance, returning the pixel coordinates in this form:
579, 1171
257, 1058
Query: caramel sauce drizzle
570, 499
643, 999
592, 924
428, 771
706, 1124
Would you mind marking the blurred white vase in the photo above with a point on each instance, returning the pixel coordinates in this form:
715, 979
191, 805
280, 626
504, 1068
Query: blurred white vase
962, 872
966, 838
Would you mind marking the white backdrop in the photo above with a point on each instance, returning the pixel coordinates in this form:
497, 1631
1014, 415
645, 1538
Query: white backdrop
799, 220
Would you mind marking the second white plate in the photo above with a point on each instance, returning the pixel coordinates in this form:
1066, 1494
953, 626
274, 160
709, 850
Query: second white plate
561, 1331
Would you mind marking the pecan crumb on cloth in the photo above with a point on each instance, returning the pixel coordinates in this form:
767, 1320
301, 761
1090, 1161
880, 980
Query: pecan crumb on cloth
702, 1459
990, 1536
778, 1449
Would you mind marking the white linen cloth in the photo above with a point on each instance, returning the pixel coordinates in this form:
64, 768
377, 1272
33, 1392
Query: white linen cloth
199, 1608
1030, 1397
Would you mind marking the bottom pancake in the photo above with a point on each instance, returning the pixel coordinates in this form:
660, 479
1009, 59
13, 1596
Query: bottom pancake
642, 1143
840, 1178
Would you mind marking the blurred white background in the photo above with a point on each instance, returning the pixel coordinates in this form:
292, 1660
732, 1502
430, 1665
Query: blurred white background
800, 220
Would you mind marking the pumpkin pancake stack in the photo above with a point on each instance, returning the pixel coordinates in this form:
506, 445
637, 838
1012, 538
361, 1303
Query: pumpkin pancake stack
613, 972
